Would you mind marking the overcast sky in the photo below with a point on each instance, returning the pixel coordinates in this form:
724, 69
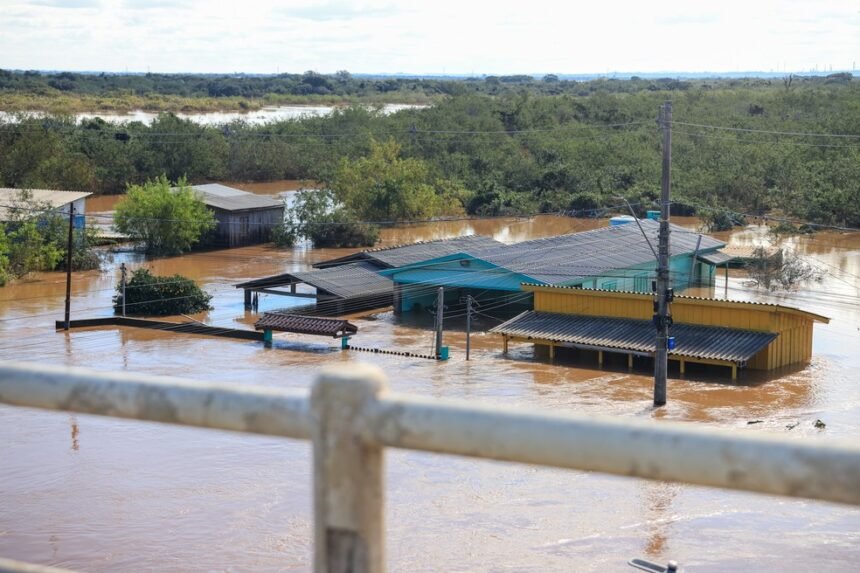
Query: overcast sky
433, 36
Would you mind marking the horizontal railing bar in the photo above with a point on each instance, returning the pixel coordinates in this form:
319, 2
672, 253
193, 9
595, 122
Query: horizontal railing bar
240, 408
10, 566
681, 452
669, 451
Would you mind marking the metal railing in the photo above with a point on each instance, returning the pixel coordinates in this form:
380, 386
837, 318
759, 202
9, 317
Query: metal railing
351, 417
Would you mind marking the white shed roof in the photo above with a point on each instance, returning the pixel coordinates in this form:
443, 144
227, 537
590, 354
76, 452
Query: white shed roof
11, 198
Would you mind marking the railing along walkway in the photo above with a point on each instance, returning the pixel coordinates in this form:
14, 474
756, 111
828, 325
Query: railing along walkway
351, 417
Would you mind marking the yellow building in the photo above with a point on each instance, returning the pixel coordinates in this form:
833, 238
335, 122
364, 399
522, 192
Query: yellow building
708, 331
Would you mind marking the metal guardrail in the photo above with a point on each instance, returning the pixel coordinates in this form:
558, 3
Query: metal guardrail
351, 418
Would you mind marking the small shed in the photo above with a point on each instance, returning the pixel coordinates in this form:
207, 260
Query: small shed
736, 334
15, 201
243, 218
345, 288
300, 324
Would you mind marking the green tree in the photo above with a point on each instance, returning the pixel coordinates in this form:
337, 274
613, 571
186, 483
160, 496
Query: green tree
151, 295
385, 187
318, 216
169, 221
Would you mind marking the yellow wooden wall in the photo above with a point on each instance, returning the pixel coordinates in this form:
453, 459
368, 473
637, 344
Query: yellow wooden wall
793, 345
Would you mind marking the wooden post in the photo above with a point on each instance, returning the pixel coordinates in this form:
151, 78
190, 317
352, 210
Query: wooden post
551, 351
683, 364
726, 296
734, 371
124, 277
349, 473
630, 362
69, 266
693, 262
600, 358
505, 349
247, 299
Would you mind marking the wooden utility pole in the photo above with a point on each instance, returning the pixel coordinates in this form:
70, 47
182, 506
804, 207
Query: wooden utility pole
662, 318
69, 266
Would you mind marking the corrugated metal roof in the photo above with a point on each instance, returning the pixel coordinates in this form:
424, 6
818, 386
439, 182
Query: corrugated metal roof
716, 258
305, 324
567, 258
226, 198
218, 190
344, 281
13, 197
400, 255
623, 334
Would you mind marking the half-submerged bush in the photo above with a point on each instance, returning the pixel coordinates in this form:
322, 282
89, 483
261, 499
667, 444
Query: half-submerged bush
152, 295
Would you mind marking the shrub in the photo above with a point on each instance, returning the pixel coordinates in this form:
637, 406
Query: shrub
284, 235
168, 221
152, 295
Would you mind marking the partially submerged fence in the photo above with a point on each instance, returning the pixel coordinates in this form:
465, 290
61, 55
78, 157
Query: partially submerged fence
351, 417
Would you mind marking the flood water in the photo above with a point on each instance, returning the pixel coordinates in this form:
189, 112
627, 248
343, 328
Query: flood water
97, 494
263, 115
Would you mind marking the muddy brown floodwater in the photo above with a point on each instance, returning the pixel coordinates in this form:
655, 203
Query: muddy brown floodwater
97, 494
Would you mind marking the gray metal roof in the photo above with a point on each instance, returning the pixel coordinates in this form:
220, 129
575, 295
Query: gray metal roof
226, 198
400, 255
624, 334
567, 258
344, 281
717, 258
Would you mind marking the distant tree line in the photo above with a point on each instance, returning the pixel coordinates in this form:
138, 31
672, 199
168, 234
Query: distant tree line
519, 151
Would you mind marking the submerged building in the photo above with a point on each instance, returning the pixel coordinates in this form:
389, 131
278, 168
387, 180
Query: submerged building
242, 218
15, 202
727, 333
615, 258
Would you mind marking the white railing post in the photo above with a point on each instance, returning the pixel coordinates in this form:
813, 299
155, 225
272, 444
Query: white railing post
349, 473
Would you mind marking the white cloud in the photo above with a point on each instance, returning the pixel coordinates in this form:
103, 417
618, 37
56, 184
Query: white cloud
453, 36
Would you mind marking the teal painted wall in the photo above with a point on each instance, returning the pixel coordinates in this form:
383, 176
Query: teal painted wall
638, 278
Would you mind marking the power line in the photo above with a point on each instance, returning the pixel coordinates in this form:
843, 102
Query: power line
767, 131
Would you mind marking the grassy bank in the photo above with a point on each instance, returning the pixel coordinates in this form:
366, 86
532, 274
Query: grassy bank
65, 103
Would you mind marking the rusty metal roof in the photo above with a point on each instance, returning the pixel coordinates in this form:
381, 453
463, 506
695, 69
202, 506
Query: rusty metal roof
300, 324
624, 334
400, 255
344, 281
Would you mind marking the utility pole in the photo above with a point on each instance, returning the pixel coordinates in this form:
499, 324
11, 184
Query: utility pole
470, 304
123, 269
69, 266
662, 319
440, 312
468, 324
